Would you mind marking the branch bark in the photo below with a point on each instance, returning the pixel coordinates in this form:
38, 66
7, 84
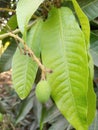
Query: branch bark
2, 36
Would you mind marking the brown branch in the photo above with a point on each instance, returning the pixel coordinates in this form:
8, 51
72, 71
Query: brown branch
31, 54
2, 36
8, 10
27, 49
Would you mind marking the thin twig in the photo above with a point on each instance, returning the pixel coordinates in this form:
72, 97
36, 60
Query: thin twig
16, 37
27, 49
31, 54
8, 10
2, 36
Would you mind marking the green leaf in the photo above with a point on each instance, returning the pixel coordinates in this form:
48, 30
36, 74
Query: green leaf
86, 30
64, 51
90, 8
24, 109
11, 24
54, 117
91, 94
25, 9
94, 48
60, 124
93, 38
24, 68
51, 114
37, 110
83, 21
94, 24
1, 117
6, 58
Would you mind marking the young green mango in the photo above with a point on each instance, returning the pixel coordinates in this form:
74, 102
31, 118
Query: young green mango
43, 91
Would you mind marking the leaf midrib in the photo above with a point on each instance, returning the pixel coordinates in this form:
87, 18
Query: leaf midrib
64, 52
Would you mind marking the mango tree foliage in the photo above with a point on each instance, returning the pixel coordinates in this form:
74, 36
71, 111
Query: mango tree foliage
90, 8
25, 10
66, 54
65, 51
86, 30
24, 68
83, 21
91, 94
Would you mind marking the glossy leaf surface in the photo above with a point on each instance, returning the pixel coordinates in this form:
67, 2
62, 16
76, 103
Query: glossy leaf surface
64, 51
83, 21
91, 98
24, 68
25, 9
